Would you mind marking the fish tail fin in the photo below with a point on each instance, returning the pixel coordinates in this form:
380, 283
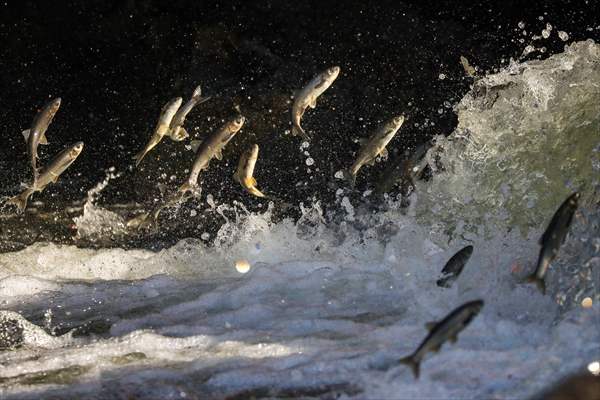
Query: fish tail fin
204, 99
297, 130
189, 187
20, 200
197, 92
139, 156
350, 177
539, 282
413, 363
178, 134
138, 222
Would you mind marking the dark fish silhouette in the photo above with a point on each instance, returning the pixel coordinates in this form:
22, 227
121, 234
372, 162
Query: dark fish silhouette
454, 267
552, 239
440, 332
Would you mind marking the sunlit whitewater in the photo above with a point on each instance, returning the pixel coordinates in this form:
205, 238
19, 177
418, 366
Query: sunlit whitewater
309, 309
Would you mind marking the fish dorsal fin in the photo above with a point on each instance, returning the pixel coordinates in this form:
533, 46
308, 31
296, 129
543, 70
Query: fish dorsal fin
430, 325
195, 144
218, 155
362, 141
26, 134
313, 103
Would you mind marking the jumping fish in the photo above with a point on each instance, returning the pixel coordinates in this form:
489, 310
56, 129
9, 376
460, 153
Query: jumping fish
454, 267
374, 146
211, 147
176, 130
36, 135
553, 237
307, 97
405, 171
50, 174
440, 332
245, 171
162, 127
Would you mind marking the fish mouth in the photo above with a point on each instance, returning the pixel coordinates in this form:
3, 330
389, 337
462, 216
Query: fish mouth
239, 121
78, 146
333, 70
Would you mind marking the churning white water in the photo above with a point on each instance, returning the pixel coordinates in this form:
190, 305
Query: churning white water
308, 308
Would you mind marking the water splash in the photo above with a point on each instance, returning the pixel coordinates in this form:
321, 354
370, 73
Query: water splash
525, 140
97, 223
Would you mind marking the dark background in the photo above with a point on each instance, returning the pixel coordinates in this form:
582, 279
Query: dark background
115, 63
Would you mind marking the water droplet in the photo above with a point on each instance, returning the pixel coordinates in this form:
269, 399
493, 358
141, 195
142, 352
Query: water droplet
564, 36
242, 266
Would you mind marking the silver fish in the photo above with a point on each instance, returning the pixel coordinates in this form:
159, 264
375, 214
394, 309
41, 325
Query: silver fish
373, 147
440, 332
176, 130
162, 127
36, 135
50, 174
307, 97
553, 237
454, 267
245, 171
211, 147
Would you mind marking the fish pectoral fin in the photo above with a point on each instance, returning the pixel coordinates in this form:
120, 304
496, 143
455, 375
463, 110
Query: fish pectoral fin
362, 141
26, 134
43, 139
436, 348
313, 103
430, 325
250, 181
54, 177
195, 144
236, 177
218, 155
371, 162
384, 153
453, 338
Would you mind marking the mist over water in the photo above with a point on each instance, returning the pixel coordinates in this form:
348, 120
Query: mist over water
335, 297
